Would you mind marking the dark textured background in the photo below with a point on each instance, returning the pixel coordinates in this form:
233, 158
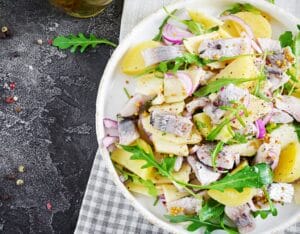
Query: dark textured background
54, 134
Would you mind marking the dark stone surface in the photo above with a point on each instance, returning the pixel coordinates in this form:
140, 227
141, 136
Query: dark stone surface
53, 135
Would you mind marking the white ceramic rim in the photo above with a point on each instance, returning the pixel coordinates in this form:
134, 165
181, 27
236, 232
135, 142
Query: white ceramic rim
114, 59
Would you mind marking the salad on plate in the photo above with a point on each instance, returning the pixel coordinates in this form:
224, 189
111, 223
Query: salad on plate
212, 130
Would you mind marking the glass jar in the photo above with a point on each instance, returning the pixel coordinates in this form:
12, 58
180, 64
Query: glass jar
81, 8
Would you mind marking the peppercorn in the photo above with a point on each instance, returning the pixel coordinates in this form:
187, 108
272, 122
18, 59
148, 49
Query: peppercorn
19, 182
10, 176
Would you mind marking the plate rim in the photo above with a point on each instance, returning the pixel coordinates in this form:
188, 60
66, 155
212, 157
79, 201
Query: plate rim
112, 62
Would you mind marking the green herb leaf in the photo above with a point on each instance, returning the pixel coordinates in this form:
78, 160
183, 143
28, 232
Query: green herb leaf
138, 180
272, 1
194, 27
249, 177
286, 39
216, 85
215, 132
238, 139
238, 7
215, 153
158, 37
211, 209
75, 42
164, 168
127, 93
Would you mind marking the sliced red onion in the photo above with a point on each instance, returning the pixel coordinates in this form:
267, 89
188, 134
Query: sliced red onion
186, 81
241, 22
174, 34
133, 105
109, 123
156, 55
261, 130
109, 140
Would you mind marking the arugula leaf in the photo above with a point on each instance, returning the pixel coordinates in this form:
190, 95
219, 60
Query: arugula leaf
252, 177
238, 139
272, 126
262, 213
194, 27
216, 85
297, 129
164, 168
138, 180
74, 42
286, 39
272, 1
215, 153
158, 37
213, 29
238, 7
214, 133
211, 209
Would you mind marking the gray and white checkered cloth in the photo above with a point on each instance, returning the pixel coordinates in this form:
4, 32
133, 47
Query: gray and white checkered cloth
104, 209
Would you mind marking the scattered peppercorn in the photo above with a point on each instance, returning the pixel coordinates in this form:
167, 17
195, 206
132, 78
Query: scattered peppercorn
19, 182
18, 109
5, 32
12, 85
21, 169
50, 41
49, 206
9, 100
39, 41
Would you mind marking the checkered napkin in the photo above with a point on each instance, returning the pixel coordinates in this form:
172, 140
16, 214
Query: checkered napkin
104, 209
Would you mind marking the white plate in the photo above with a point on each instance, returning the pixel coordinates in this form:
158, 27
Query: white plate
111, 98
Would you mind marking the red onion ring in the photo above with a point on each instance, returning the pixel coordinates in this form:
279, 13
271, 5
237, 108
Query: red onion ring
186, 81
109, 123
174, 35
241, 22
261, 130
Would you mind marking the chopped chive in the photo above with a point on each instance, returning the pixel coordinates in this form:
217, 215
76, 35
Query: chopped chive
215, 153
127, 93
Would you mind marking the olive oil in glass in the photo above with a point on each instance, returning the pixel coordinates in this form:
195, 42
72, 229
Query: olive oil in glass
81, 8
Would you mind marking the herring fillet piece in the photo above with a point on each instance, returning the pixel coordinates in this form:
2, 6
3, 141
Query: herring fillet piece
170, 123
289, 104
281, 192
203, 173
224, 160
127, 130
162, 53
269, 45
215, 49
241, 216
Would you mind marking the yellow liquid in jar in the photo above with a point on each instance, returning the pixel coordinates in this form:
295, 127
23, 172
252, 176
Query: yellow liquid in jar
81, 8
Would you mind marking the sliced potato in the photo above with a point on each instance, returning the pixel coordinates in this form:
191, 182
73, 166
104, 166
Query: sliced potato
225, 134
248, 149
206, 20
242, 67
133, 61
122, 157
183, 174
288, 169
204, 124
285, 134
141, 189
260, 26
163, 146
231, 197
241, 166
172, 194
229, 28
194, 138
149, 85
192, 44
174, 90
176, 107
158, 179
